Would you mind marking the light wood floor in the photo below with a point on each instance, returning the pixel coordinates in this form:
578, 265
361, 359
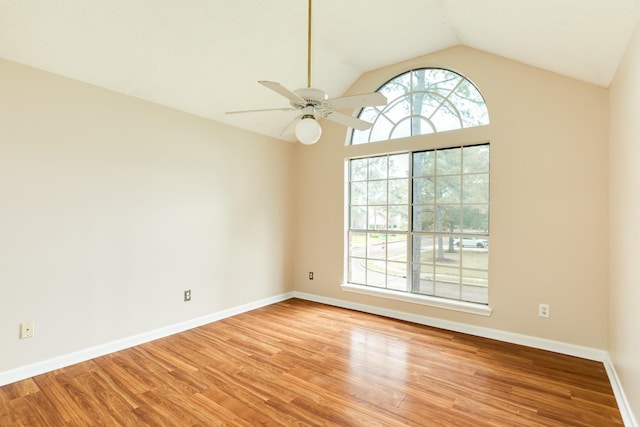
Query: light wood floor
302, 363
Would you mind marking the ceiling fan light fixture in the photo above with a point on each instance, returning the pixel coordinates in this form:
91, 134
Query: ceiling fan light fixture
308, 130
316, 103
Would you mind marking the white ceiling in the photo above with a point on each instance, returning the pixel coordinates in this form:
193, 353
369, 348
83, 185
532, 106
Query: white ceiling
205, 56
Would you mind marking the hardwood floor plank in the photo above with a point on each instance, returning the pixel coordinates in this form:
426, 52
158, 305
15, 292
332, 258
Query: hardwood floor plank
308, 364
22, 414
91, 409
66, 406
215, 414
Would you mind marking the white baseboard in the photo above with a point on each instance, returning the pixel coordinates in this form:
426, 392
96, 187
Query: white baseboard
623, 404
44, 366
510, 337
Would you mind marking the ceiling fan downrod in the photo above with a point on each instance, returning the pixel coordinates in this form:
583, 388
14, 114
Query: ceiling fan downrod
309, 46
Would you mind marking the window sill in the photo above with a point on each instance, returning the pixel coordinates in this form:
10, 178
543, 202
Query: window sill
465, 307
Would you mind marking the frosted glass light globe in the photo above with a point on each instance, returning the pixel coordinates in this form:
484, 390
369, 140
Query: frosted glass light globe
308, 131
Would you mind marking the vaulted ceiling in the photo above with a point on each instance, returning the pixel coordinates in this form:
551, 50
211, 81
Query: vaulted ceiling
205, 56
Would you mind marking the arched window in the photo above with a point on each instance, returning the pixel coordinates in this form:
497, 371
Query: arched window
423, 101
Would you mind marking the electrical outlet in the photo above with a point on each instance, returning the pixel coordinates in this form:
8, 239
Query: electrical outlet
311, 275
187, 295
543, 310
26, 330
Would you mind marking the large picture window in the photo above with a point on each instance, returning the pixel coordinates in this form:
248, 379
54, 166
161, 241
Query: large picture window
419, 222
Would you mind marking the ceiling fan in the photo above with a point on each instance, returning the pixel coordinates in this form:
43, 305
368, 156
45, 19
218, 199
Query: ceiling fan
315, 104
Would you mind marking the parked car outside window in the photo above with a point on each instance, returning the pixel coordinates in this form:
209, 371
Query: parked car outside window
471, 242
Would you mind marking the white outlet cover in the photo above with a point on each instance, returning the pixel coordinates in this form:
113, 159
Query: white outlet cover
26, 330
543, 310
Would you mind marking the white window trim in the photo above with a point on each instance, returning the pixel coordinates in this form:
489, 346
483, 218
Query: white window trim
448, 304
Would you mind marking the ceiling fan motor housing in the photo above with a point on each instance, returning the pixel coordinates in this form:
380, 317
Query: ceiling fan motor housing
313, 97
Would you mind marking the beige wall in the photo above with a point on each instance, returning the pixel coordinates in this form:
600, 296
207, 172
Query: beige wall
110, 207
549, 217
624, 190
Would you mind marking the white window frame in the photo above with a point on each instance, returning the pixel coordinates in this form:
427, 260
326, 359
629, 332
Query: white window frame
405, 295
413, 143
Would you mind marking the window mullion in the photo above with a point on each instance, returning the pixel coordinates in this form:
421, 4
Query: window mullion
409, 284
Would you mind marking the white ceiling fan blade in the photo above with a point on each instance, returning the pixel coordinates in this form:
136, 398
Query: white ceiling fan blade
261, 110
291, 126
358, 101
345, 120
277, 87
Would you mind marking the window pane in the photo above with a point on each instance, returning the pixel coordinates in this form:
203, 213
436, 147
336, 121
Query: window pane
358, 193
422, 265
358, 218
475, 294
424, 163
424, 190
398, 191
447, 117
476, 188
449, 161
377, 217
451, 248
476, 159
421, 125
357, 271
447, 282
447, 290
382, 130
476, 257
377, 193
376, 246
448, 189
446, 274
475, 277
378, 168
397, 276
360, 136
398, 218
399, 166
424, 218
475, 286
359, 169
402, 129
446, 253
397, 247
467, 242
398, 109
475, 219
420, 77
466, 90
423, 282
425, 104
448, 218
423, 249
439, 80
376, 273
357, 242
397, 87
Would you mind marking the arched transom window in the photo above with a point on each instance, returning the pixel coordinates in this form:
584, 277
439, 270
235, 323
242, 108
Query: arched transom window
423, 101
